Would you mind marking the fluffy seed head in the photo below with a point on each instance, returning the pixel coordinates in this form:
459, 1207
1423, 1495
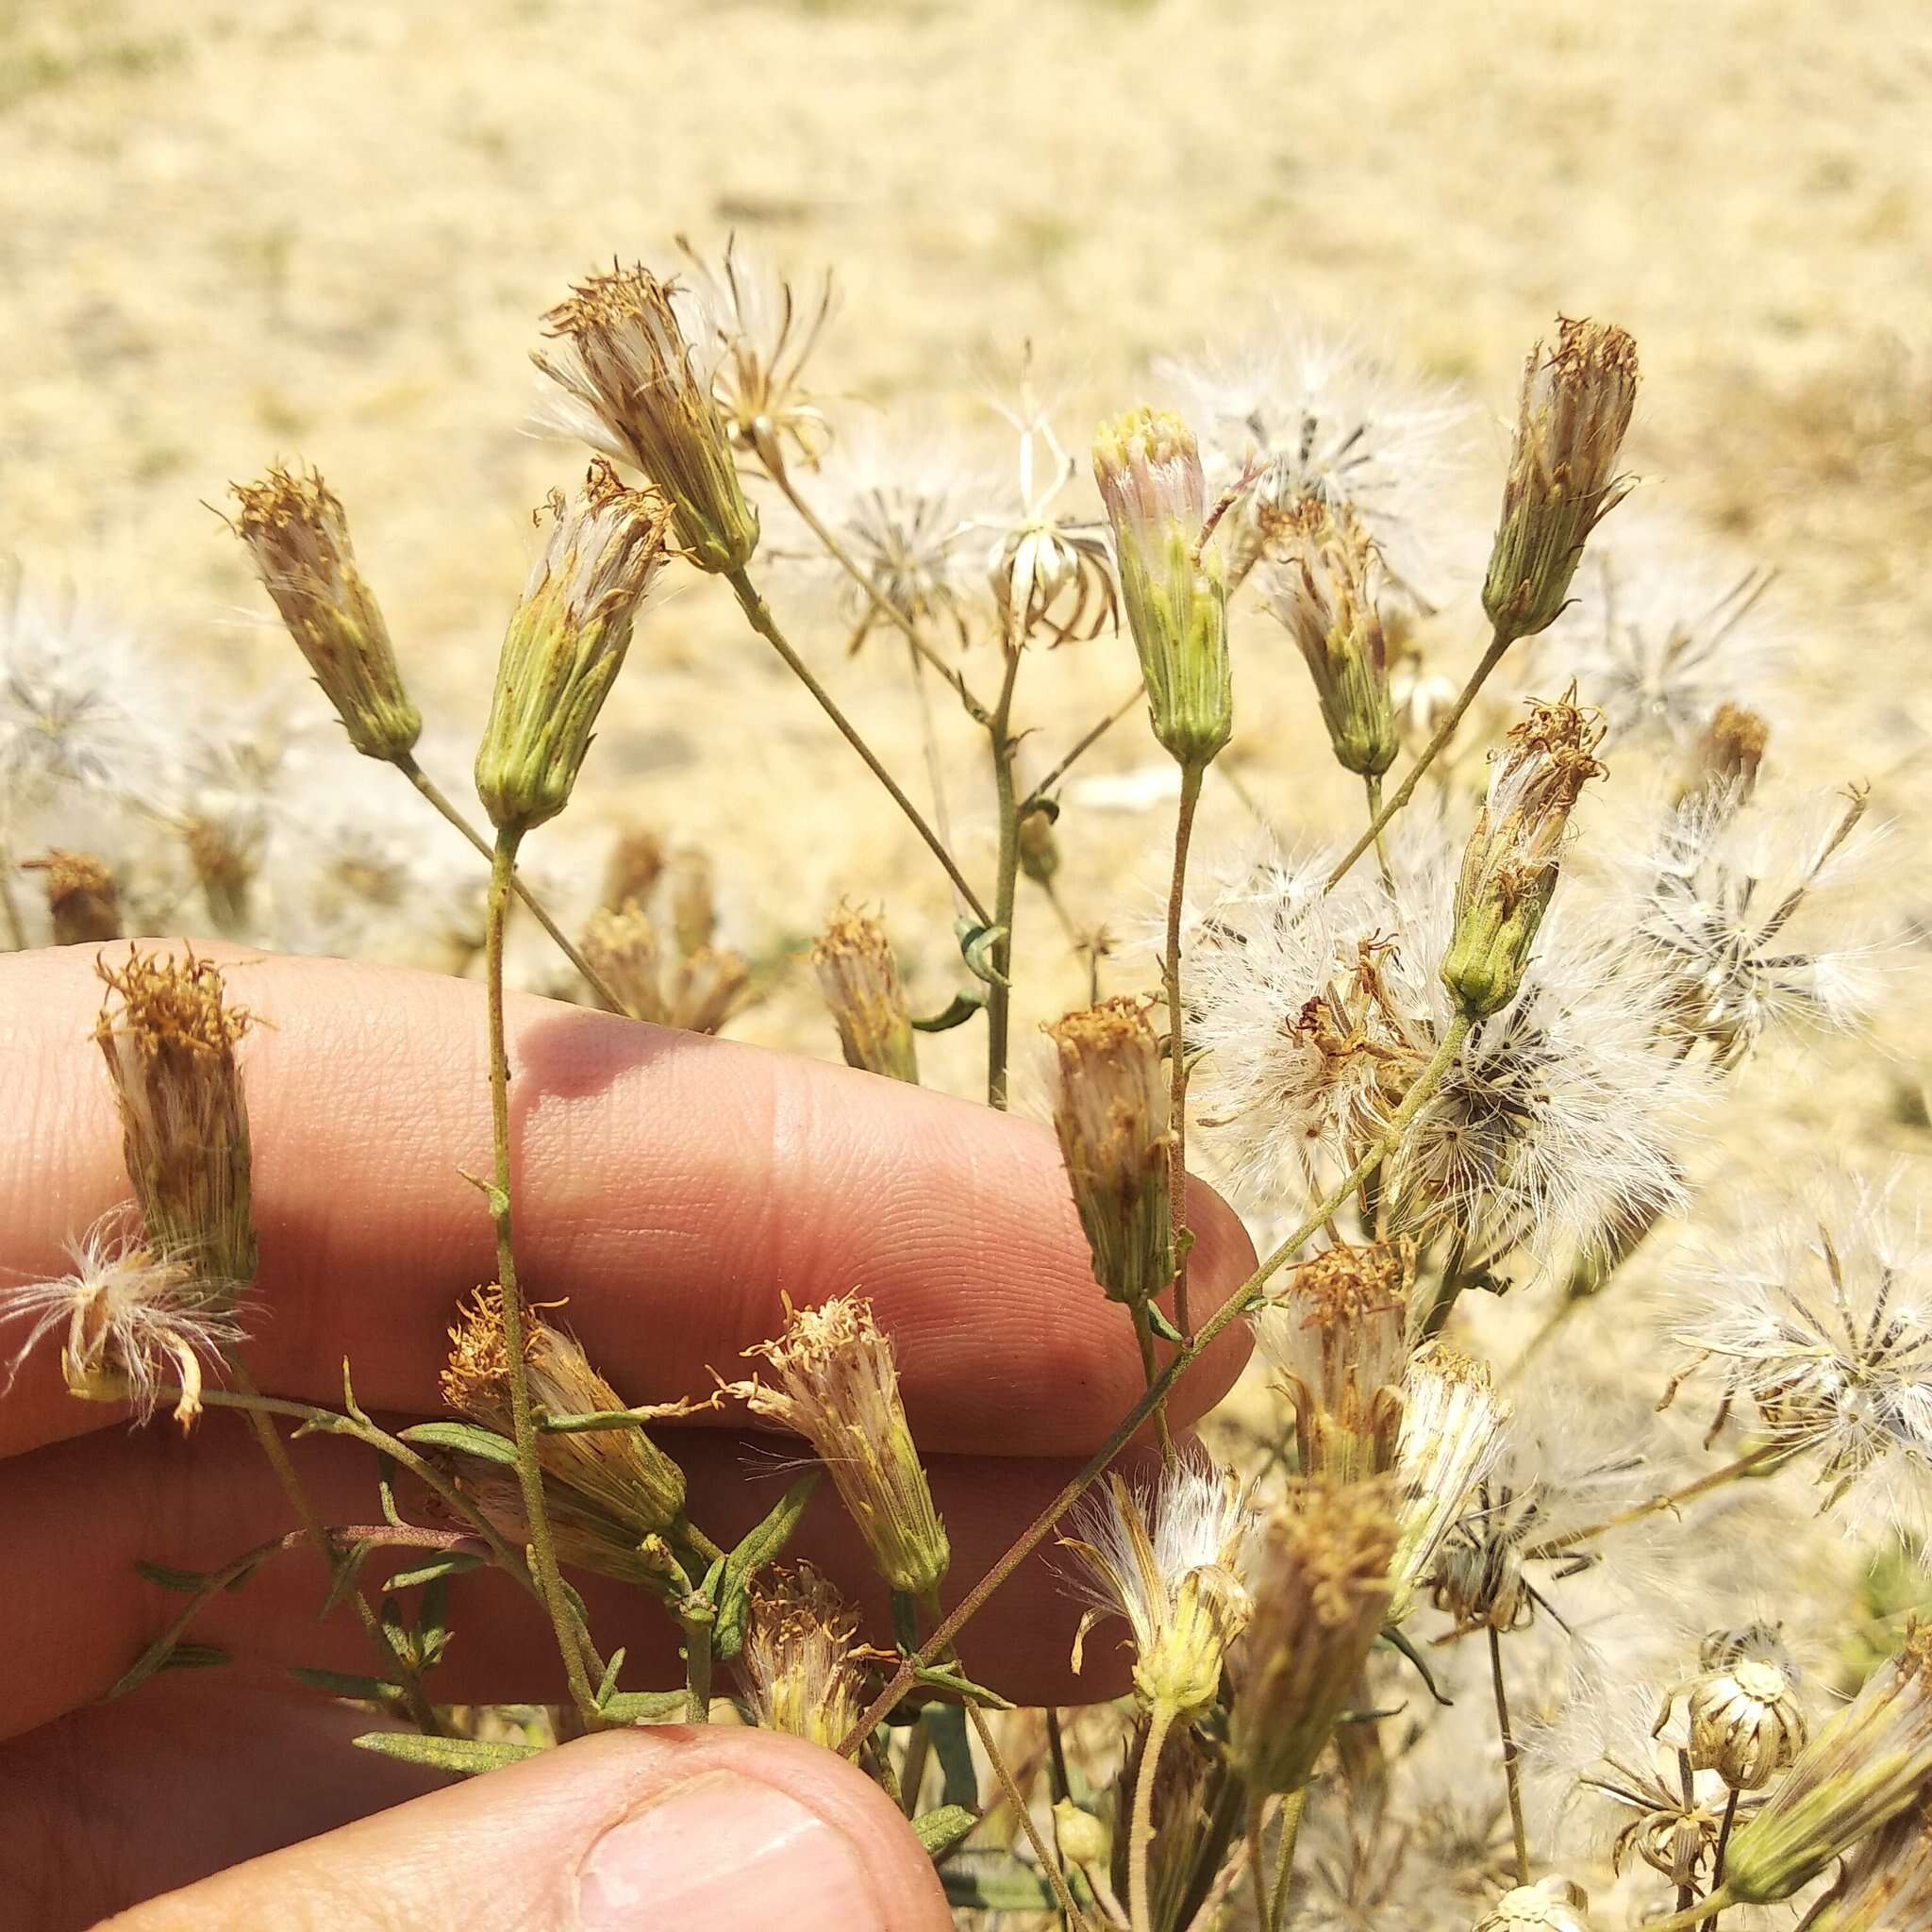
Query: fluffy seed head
1577, 397
168, 1037
636, 350
564, 647
1111, 1112
296, 532
1323, 590
1321, 1592
799, 1660
833, 1380
860, 980
1148, 468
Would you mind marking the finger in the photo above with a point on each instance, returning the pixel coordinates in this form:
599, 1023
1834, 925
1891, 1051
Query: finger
671, 1188
191, 1775
75, 1517
734, 1830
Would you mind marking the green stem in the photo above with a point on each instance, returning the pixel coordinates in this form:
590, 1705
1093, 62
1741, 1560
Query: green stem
1765, 1455
544, 1563
1717, 1866
1141, 1837
1292, 1808
999, 1002
1086, 742
1512, 1774
1182, 1237
1372, 785
759, 616
407, 766
1150, 1368
394, 1668
1500, 642
698, 1664
1178, 1363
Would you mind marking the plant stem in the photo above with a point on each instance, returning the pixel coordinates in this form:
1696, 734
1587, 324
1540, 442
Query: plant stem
1178, 1363
1140, 1837
407, 766
1724, 1844
1023, 1816
1087, 741
999, 1002
393, 1666
697, 1665
880, 603
1500, 641
1372, 787
1150, 1368
1512, 1774
1764, 1455
912, 1769
1182, 1236
1292, 1808
759, 616
529, 1471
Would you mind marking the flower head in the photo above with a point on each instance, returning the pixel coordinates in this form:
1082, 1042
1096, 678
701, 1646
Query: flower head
1111, 1112
565, 645
859, 979
800, 1663
83, 899
1577, 397
298, 536
1453, 1425
833, 1380
1148, 468
1169, 1560
1551, 1904
642, 356
133, 1320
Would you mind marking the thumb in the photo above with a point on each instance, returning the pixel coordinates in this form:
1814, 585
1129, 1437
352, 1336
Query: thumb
723, 1827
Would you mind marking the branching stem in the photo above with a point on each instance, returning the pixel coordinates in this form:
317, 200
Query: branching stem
1763, 1456
1512, 1770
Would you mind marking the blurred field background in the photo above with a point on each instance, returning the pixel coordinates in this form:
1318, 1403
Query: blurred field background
237, 232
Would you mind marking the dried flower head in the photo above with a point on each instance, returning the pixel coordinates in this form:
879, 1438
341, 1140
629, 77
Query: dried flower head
1320, 1595
169, 1048
1746, 1722
1721, 770
1865, 1766
1111, 1112
860, 980
1148, 468
1324, 590
621, 1470
564, 647
1169, 1560
632, 871
800, 1664
297, 531
621, 944
765, 338
833, 1382
1577, 397
1821, 1317
133, 1320
83, 902
639, 353
1339, 1336
1509, 869
1551, 1904
1453, 1423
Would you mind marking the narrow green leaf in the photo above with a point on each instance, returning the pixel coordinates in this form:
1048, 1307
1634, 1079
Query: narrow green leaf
610, 1671
466, 1756
465, 1438
644, 1707
1161, 1326
1394, 1638
346, 1684
959, 1009
195, 1656
946, 1724
732, 1590
976, 943
349, 1569
189, 1582
943, 1830
450, 1563
950, 1678
1011, 1888
386, 1489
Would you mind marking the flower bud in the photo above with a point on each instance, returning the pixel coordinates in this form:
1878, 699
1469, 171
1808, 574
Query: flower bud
1510, 868
1864, 1767
169, 1048
1111, 1112
1576, 407
295, 530
835, 1382
1746, 1724
1551, 1904
83, 902
624, 352
859, 979
1040, 850
1321, 1592
1148, 468
1081, 1836
1323, 590
799, 1662
622, 1473
1339, 1337
564, 648
1452, 1433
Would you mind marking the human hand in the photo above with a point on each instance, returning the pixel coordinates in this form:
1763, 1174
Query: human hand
672, 1189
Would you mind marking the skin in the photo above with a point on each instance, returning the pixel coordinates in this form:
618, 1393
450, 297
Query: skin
673, 1190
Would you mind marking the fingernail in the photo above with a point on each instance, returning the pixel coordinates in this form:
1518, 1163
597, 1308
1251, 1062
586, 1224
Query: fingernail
744, 1854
